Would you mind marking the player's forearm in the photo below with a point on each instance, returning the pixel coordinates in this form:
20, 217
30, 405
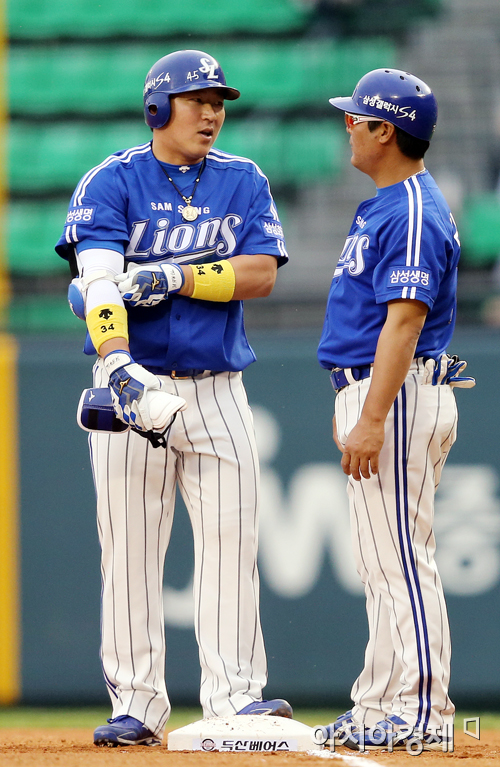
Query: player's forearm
113, 345
255, 277
390, 369
395, 352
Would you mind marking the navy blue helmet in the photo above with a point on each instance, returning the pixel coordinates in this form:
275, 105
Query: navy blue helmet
396, 96
180, 72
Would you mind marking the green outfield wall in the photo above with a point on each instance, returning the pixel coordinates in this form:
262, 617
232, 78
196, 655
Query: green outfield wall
312, 605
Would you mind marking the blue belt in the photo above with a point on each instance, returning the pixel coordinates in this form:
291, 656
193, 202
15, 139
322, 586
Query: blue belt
339, 378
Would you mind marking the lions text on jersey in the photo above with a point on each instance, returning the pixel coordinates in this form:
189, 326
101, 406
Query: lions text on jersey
127, 204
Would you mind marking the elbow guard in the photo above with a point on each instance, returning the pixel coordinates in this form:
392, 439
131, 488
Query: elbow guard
77, 291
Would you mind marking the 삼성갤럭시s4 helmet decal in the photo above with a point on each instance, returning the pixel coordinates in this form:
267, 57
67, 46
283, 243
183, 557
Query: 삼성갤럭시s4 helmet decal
396, 96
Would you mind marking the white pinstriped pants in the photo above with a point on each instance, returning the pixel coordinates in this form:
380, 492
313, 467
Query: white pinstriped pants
211, 454
407, 659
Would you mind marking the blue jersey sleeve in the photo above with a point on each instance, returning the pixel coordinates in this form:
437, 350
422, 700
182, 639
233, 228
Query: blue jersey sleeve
96, 214
415, 256
263, 232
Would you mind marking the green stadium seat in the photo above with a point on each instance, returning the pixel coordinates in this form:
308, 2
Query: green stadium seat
27, 314
33, 230
291, 153
38, 19
377, 17
53, 157
479, 230
77, 79
305, 72
317, 152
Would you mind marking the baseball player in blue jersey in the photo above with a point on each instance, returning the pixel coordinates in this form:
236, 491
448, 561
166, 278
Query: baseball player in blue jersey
389, 319
167, 239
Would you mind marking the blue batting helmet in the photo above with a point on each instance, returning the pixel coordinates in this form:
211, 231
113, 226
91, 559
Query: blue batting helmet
180, 72
396, 96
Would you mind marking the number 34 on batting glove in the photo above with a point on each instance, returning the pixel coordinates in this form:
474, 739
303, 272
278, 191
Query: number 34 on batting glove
148, 285
138, 396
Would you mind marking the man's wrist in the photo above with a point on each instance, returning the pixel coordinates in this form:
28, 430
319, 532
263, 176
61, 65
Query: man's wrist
114, 344
188, 287
373, 418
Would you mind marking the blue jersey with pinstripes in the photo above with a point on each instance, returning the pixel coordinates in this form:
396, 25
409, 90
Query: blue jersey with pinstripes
403, 243
127, 204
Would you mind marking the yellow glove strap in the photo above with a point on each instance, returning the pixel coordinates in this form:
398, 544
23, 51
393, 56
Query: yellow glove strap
105, 322
213, 282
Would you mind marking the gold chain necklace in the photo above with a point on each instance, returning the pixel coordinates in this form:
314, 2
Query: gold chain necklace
189, 213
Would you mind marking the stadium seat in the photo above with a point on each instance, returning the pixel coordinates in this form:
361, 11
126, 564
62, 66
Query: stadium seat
479, 229
99, 80
293, 152
53, 157
77, 78
305, 72
43, 313
34, 228
383, 17
38, 19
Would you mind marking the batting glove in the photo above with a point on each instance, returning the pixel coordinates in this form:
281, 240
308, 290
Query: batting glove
138, 396
453, 377
446, 370
148, 285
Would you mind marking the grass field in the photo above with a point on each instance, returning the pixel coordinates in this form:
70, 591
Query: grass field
26, 717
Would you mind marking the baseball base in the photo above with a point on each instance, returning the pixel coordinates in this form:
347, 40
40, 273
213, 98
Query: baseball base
243, 733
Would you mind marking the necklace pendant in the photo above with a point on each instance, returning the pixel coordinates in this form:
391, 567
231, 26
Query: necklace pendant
189, 213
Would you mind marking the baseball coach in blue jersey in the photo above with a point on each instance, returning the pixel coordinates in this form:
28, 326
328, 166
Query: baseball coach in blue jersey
166, 240
389, 319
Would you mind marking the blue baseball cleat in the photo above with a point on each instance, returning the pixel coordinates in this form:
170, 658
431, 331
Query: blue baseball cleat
393, 734
276, 707
124, 731
335, 728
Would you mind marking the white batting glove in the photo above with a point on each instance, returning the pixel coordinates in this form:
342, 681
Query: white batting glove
456, 367
435, 370
144, 285
447, 370
162, 407
134, 389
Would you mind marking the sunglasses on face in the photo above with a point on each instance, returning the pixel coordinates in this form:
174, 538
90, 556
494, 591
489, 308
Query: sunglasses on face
351, 119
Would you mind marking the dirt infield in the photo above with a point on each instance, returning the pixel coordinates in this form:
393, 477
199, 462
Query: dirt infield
73, 747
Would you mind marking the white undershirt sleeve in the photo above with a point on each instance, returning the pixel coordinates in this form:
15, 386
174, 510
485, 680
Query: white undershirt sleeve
101, 291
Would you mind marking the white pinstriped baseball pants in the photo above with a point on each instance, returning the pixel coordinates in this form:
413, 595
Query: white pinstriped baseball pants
211, 454
407, 659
